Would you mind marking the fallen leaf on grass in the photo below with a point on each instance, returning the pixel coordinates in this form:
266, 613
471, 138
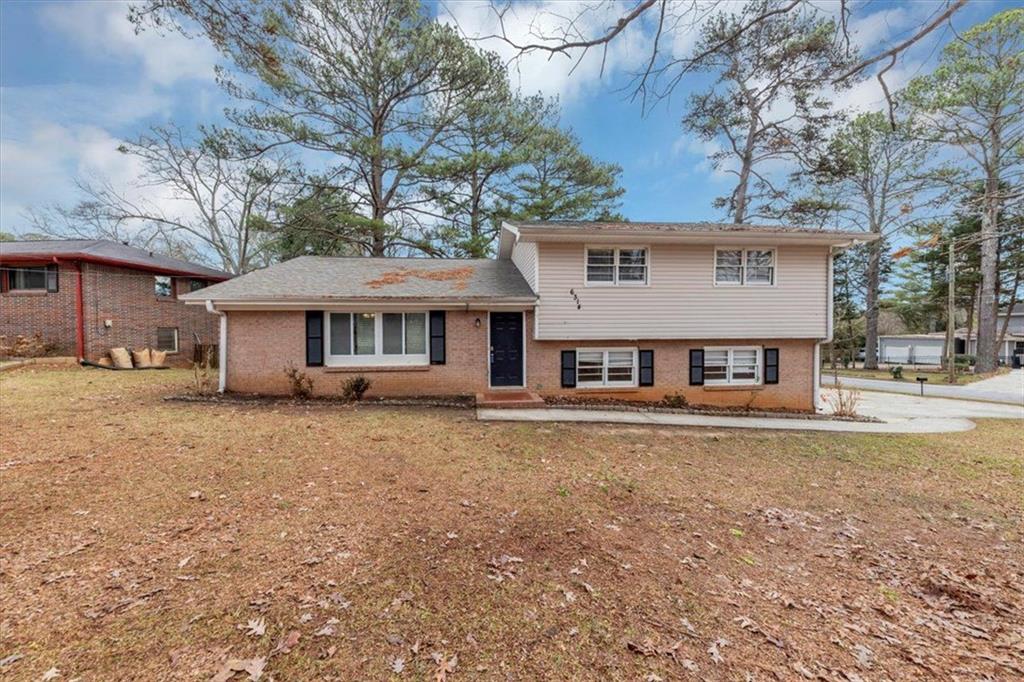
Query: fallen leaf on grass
252, 666
51, 674
256, 627
445, 665
287, 643
7, 660
715, 649
398, 665
184, 562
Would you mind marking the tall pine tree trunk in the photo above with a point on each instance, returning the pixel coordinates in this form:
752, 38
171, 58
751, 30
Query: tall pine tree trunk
871, 305
987, 360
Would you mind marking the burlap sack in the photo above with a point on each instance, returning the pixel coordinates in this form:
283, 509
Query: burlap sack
158, 358
122, 359
142, 358
105, 362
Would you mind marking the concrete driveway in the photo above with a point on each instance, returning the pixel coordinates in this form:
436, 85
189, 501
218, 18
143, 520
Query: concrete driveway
894, 409
1005, 388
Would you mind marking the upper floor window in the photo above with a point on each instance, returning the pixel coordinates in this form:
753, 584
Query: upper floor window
617, 266
34, 278
377, 338
196, 284
752, 267
28, 279
162, 286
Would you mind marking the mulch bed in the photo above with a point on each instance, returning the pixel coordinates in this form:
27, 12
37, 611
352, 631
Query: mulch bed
615, 404
457, 401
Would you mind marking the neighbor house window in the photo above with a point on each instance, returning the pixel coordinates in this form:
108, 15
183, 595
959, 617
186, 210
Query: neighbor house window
739, 365
167, 339
617, 266
377, 338
162, 286
196, 284
28, 278
750, 267
609, 367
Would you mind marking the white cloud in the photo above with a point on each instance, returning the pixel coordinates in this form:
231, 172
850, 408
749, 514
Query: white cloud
103, 28
565, 76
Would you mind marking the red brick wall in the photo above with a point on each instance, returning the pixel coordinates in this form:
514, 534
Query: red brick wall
52, 315
124, 296
128, 299
261, 344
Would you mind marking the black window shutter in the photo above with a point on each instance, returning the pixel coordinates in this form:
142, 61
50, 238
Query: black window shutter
314, 338
771, 365
647, 368
52, 278
568, 369
437, 353
696, 366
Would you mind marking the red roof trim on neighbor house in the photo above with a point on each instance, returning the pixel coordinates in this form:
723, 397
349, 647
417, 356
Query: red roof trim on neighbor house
88, 258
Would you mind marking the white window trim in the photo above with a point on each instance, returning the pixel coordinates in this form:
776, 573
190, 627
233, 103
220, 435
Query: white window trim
378, 359
743, 267
615, 248
728, 381
177, 346
604, 383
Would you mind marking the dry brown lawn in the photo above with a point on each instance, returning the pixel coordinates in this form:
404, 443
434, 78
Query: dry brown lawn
144, 539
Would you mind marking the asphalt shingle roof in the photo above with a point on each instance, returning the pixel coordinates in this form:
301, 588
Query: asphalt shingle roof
323, 278
100, 249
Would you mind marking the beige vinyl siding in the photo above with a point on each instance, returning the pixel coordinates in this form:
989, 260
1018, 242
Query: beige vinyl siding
681, 301
524, 255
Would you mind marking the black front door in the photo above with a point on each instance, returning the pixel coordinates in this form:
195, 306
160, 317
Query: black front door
506, 349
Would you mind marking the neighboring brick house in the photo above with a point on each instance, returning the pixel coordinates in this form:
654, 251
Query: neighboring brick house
84, 297
716, 314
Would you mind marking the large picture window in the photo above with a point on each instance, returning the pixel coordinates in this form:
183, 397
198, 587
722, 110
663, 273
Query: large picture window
376, 339
732, 366
617, 266
745, 267
605, 367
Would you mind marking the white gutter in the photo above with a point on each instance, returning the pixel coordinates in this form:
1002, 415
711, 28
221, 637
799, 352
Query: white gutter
222, 348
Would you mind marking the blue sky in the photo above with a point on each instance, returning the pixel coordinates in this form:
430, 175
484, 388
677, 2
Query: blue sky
75, 80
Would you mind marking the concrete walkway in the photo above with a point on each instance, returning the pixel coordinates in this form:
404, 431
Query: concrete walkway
1005, 388
901, 414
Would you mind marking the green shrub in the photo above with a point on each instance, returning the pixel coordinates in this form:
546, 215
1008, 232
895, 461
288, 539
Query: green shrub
355, 387
897, 372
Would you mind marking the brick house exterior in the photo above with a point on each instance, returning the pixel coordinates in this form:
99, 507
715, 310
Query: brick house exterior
723, 315
119, 302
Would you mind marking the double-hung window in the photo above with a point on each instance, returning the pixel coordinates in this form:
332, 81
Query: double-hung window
376, 338
749, 267
620, 266
609, 367
732, 366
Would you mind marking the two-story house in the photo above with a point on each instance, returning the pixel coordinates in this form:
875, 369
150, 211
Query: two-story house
719, 314
83, 297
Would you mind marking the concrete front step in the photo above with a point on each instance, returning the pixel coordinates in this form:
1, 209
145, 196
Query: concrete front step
509, 399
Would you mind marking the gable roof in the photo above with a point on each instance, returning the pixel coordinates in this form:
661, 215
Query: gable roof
320, 278
105, 252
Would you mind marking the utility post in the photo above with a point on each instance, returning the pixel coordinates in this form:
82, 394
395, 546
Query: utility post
951, 313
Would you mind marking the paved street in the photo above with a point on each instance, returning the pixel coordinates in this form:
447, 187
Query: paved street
1005, 388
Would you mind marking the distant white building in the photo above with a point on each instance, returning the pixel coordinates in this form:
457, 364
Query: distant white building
930, 349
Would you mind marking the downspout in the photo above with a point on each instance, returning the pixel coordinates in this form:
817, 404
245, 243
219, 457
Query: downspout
816, 370
222, 347
79, 310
